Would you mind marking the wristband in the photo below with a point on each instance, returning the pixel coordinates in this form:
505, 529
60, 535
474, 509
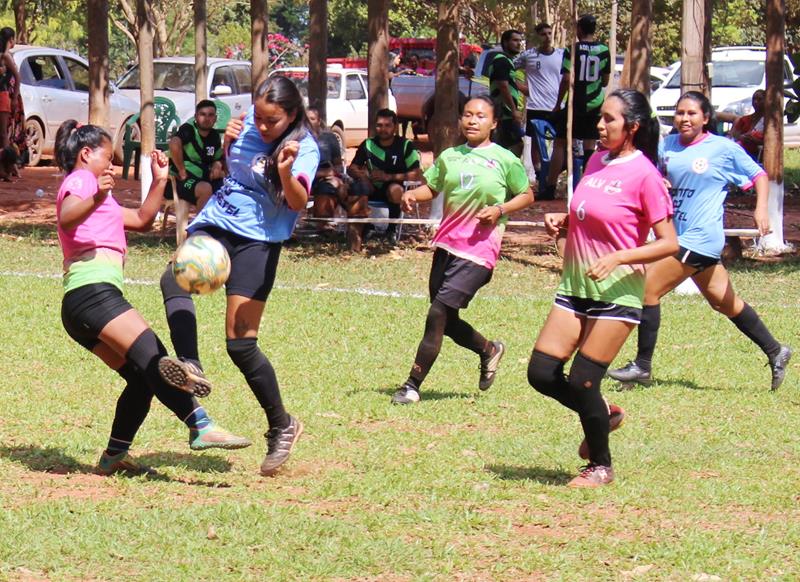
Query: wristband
499, 206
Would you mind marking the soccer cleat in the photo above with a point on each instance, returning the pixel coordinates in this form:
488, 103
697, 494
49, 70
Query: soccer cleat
616, 416
120, 463
214, 436
778, 366
406, 394
593, 476
280, 442
631, 373
184, 376
489, 366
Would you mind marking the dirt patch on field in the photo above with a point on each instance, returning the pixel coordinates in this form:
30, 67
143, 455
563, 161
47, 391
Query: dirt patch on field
28, 203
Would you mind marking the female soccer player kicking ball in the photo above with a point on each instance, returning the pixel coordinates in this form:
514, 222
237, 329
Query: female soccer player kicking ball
482, 183
599, 301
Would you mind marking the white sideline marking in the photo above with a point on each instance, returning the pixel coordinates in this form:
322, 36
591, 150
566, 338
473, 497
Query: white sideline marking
147, 283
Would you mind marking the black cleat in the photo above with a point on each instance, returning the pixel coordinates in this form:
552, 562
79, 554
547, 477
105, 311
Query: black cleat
778, 366
489, 366
406, 394
280, 442
631, 373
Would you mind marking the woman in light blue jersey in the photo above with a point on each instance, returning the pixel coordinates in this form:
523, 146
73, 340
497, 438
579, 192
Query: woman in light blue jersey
272, 158
699, 166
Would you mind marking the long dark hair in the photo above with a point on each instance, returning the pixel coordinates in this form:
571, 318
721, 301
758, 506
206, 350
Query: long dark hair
72, 137
636, 109
6, 34
705, 107
282, 91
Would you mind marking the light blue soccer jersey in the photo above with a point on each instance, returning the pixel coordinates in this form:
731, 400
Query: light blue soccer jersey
247, 203
699, 174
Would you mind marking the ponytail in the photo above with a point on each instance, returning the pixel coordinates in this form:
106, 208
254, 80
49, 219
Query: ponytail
636, 109
72, 137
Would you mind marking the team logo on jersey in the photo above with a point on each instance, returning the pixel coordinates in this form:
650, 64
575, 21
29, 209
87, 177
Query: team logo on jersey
259, 164
613, 187
700, 165
259, 167
491, 164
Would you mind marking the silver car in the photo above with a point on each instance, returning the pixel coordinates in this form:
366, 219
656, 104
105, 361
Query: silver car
55, 87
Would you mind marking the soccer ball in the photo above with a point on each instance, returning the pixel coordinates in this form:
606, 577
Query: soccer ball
201, 265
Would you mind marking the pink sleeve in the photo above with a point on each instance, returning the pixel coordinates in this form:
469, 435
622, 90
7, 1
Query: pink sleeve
656, 201
82, 184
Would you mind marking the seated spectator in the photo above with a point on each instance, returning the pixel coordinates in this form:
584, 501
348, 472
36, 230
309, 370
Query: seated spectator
748, 130
381, 165
315, 120
196, 157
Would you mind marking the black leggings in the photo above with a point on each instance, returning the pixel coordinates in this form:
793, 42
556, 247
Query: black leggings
443, 320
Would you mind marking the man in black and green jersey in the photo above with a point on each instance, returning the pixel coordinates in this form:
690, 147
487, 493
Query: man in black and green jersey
196, 157
591, 77
381, 165
507, 93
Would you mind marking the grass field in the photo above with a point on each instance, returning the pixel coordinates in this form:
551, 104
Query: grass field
463, 486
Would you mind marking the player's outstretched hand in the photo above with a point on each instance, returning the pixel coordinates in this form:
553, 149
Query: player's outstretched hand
232, 130
408, 201
603, 267
105, 182
489, 215
287, 156
761, 218
554, 222
159, 163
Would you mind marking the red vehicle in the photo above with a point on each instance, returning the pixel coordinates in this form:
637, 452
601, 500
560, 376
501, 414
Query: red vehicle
423, 48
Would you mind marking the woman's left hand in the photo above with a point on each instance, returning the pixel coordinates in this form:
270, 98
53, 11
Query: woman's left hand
761, 218
489, 215
159, 162
287, 156
603, 267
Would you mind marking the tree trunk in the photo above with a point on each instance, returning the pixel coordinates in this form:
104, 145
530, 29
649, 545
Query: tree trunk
147, 115
259, 16
693, 72
317, 56
378, 55
445, 117
638, 61
200, 52
20, 24
612, 47
573, 12
773, 122
97, 25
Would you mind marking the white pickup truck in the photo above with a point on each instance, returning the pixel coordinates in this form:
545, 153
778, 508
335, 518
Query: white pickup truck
347, 99
415, 93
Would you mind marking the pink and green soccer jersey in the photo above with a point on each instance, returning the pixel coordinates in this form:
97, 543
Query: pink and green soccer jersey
94, 250
472, 179
613, 208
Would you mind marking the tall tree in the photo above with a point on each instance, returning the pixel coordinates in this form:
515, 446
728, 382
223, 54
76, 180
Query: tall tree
378, 57
318, 52
171, 22
259, 15
445, 117
98, 61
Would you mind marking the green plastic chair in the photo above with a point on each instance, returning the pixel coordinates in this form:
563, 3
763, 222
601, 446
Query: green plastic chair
167, 123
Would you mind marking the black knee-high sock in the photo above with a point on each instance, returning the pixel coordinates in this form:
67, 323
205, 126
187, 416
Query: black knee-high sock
394, 212
431, 344
132, 408
464, 334
750, 324
546, 375
260, 376
584, 380
144, 355
648, 336
181, 317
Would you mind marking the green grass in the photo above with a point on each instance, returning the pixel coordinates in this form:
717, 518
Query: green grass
462, 486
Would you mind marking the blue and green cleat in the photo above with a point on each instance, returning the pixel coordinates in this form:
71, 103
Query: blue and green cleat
214, 436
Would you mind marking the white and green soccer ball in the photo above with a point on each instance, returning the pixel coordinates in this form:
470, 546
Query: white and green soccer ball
201, 265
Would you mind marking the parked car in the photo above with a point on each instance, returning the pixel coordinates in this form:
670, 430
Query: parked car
736, 72
55, 87
173, 78
347, 99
